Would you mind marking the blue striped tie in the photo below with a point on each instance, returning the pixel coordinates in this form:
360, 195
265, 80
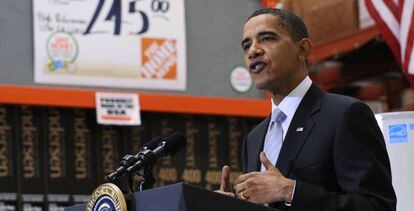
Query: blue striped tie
274, 137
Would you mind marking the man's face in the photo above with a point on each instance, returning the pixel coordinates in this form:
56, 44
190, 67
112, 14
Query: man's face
270, 53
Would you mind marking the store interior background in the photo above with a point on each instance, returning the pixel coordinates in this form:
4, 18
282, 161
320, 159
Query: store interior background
349, 57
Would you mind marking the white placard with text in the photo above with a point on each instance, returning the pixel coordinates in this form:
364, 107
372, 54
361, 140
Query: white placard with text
117, 108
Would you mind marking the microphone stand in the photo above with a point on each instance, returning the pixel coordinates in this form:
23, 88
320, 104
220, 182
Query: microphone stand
148, 180
141, 164
124, 181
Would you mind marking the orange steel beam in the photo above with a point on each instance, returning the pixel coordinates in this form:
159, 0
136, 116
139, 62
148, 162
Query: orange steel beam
173, 103
342, 44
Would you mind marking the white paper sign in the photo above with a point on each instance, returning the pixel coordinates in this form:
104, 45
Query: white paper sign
117, 109
112, 43
240, 79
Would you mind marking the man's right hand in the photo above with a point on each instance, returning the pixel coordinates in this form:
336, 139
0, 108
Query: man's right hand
225, 187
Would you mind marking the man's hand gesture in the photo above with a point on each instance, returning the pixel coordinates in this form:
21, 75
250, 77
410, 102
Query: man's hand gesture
264, 187
225, 187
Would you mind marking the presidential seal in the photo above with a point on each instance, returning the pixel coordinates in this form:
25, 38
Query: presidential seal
107, 197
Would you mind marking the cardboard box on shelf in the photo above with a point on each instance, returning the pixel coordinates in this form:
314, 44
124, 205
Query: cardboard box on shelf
378, 105
299, 7
370, 89
326, 74
366, 89
326, 19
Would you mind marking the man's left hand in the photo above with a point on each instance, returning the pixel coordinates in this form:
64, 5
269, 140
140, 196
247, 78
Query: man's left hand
264, 187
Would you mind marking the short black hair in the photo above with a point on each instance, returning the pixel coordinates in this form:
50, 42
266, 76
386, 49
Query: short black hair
287, 20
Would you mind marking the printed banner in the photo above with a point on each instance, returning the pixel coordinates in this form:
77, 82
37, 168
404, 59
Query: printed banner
111, 43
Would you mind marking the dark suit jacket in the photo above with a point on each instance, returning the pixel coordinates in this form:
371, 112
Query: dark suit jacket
339, 160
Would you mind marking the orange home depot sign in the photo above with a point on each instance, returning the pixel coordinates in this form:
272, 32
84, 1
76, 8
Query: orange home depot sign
269, 3
273, 3
159, 58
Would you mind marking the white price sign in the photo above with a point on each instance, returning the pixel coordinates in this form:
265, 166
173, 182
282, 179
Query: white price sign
112, 43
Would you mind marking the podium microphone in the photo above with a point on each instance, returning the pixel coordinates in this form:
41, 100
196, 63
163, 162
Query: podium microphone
151, 145
129, 160
168, 146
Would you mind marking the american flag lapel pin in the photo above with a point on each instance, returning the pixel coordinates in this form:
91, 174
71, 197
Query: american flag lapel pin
299, 129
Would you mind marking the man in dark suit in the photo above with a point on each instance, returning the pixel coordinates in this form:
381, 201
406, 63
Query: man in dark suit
316, 151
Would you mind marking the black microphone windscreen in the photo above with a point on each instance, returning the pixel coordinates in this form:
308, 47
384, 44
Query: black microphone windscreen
174, 143
152, 144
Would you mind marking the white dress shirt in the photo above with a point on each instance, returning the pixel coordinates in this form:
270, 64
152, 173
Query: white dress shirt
288, 106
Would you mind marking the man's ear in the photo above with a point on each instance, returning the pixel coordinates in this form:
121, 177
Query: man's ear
305, 49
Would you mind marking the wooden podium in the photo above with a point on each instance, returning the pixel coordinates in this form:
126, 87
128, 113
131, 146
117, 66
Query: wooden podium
183, 197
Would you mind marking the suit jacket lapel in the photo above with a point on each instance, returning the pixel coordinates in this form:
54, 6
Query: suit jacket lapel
255, 152
296, 137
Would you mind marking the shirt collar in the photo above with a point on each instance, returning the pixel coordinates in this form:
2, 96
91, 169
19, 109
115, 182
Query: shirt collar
291, 102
